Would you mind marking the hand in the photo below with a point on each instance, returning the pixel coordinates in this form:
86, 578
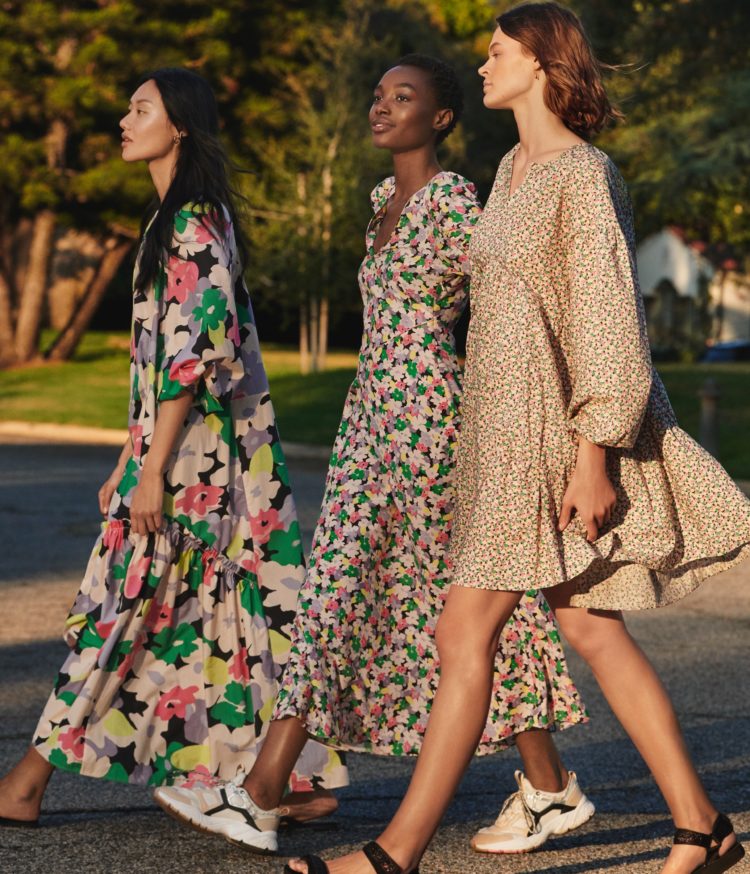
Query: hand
589, 492
108, 489
146, 505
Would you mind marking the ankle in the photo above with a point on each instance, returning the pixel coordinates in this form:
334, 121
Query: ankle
259, 795
549, 781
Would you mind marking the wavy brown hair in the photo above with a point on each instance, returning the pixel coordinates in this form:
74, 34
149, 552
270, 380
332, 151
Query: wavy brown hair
555, 37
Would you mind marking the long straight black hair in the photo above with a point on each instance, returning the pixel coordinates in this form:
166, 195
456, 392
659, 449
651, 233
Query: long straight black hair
202, 172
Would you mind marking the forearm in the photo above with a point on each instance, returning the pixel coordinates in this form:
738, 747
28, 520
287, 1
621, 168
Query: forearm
127, 451
170, 418
591, 456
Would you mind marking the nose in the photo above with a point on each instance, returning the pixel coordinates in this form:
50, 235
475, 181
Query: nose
123, 122
482, 71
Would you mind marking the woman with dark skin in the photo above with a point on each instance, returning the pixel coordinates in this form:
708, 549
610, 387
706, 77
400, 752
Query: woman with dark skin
572, 472
362, 668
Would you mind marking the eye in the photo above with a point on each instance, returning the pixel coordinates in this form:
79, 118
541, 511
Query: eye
376, 98
140, 111
403, 98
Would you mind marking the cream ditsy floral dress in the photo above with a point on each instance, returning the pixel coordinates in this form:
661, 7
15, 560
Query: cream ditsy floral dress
363, 666
558, 349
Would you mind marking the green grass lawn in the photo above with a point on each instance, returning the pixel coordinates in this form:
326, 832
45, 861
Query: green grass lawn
93, 390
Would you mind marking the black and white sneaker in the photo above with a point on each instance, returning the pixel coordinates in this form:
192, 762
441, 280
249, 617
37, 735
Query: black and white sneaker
530, 817
223, 809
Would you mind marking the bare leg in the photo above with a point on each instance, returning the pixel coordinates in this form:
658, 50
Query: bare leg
642, 705
457, 719
268, 779
542, 764
22, 789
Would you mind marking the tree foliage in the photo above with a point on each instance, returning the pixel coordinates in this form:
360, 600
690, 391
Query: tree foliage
294, 80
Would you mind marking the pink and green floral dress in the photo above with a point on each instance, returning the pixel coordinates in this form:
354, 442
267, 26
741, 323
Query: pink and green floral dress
363, 667
178, 638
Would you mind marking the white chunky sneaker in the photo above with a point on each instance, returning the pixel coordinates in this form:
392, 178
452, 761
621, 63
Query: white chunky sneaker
530, 817
223, 809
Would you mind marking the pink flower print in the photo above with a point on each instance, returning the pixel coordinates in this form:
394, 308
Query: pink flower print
159, 616
73, 741
114, 535
137, 572
199, 499
103, 629
238, 667
182, 277
298, 785
175, 702
209, 558
185, 372
136, 436
204, 234
265, 522
233, 333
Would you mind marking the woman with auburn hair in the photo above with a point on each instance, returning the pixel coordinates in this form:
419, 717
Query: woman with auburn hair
180, 630
573, 475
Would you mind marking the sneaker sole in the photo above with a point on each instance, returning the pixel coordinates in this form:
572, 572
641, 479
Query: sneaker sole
197, 821
567, 823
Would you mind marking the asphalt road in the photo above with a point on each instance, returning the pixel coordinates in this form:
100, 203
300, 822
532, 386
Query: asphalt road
48, 521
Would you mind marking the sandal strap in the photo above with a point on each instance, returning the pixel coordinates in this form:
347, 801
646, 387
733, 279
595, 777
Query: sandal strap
380, 860
695, 839
722, 828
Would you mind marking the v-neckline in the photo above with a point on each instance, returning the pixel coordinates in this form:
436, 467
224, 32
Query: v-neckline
510, 195
377, 219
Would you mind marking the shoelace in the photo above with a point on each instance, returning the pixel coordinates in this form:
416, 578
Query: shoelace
510, 801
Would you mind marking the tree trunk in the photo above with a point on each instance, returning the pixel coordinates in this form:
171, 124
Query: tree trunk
35, 284
323, 334
67, 340
304, 341
6, 322
314, 337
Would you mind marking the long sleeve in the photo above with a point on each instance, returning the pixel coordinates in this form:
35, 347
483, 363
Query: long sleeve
199, 332
455, 211
605, 337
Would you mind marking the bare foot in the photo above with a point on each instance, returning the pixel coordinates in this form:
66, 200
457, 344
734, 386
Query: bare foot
17, 804
306, 806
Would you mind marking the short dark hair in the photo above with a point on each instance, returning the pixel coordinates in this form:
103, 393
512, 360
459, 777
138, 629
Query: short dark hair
445, 84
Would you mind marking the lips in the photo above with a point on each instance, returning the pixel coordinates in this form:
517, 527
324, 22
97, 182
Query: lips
125, 140
380, 127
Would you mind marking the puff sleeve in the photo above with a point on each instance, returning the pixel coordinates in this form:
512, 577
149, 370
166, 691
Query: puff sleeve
455, 210
199, 329
605, 339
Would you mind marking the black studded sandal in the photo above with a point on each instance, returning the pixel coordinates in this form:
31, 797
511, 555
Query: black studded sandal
714, 863
380, 860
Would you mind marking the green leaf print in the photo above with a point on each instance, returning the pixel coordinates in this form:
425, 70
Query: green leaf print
118, 654
250, 598
90, 637
129, 479
236, 709
285, 547
117, 773
60, 760
171, 644
212, 310
280, 469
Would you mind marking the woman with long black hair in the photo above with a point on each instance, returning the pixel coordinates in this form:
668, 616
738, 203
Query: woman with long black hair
179, 632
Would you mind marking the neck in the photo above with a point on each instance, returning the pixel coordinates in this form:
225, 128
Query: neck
540, 130
162, 172
413, 170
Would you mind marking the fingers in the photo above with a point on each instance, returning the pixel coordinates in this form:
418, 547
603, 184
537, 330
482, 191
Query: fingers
592, 530
105, 497
565, 514
144, 523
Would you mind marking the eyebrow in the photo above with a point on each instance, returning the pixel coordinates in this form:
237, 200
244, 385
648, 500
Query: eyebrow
495, 45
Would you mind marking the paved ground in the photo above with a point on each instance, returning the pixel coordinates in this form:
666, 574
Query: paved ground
48, 520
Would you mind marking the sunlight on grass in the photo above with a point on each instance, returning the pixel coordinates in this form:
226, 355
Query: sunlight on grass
93, 390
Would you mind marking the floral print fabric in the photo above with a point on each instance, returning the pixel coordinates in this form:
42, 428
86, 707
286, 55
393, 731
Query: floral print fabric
557, 348
178, 638
363, 669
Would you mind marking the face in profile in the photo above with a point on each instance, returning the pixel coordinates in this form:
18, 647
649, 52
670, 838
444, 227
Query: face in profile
508, 73
147, 132
404, 114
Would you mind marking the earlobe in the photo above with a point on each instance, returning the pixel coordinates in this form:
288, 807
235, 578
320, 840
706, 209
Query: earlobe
443, 119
